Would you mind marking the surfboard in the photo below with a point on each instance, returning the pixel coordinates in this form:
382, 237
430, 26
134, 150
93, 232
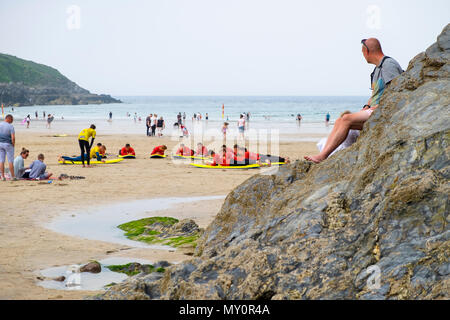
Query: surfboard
157, 156
191, 157
128, 156
92, 161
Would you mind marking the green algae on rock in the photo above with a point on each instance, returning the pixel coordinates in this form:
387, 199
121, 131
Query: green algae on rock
376, 211
163, 230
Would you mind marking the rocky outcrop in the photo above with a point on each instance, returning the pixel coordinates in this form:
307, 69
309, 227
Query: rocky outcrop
371, 222
26, 83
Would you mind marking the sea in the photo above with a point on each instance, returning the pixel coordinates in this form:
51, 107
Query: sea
265, 112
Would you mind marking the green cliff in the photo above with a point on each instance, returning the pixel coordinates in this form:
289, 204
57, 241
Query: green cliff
24, 82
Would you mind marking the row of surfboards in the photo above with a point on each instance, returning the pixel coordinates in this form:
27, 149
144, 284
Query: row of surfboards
157, 156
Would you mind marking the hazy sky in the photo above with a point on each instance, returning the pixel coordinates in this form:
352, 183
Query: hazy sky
212, 47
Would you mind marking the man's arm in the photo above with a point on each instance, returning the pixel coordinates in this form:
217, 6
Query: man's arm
13, 139
92, 142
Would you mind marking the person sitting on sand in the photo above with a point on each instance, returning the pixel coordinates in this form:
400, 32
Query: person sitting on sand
202, 151
351, 139
19, 163
159, 150
184, 151
38, 168
127, 150
83, 140
385, 71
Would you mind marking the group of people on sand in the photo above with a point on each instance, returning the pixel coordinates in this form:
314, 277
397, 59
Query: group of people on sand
236, 156
155, 125
17, 169
98, 152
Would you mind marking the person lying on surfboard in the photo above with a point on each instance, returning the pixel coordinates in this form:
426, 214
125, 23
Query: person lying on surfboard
96, 152
223, 158
202, 151
184, 151
159, 150
127, 150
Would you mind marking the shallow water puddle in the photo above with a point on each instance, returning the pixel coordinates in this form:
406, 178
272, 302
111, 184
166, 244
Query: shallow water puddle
85, 280
100, 223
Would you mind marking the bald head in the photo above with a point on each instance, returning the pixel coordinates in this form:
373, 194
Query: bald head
372, 50
374, 45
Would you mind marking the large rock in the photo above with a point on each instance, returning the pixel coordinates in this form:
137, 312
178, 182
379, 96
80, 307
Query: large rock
327, 231
92, 267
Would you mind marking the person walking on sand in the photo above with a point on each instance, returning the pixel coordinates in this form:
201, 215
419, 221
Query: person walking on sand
386, 69
7, 143
148, 123
154, 123
28, 119
224, 130
83, 141
49, 120
241, 126
36, 114
160, 126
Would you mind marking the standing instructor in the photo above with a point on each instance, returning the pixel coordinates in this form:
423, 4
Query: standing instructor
83, 140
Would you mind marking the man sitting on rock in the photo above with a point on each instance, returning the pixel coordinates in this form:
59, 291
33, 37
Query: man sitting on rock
385, 71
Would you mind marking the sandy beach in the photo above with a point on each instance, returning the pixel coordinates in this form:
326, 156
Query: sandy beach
28, 246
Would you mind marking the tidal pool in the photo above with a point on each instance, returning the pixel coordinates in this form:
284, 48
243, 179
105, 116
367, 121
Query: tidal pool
85, 280
100, 223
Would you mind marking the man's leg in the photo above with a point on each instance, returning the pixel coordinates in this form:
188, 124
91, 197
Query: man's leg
81, 143
10, 154
339, 133
2, 162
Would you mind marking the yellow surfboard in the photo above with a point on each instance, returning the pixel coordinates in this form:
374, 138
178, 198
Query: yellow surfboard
191, 157
158, 156
92, 161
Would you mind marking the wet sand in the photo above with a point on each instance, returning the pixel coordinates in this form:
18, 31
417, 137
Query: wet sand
28, 207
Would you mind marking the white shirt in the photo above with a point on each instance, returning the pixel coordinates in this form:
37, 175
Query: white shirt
351, 139
241, 122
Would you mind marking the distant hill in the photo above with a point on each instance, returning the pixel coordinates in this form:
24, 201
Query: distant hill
24, 82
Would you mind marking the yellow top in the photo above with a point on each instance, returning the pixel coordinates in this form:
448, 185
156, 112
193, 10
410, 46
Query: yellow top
85, 134
93, 151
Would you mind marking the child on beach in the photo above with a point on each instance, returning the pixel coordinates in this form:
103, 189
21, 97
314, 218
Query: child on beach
38, 168
159, 150
224, 130
127, 150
